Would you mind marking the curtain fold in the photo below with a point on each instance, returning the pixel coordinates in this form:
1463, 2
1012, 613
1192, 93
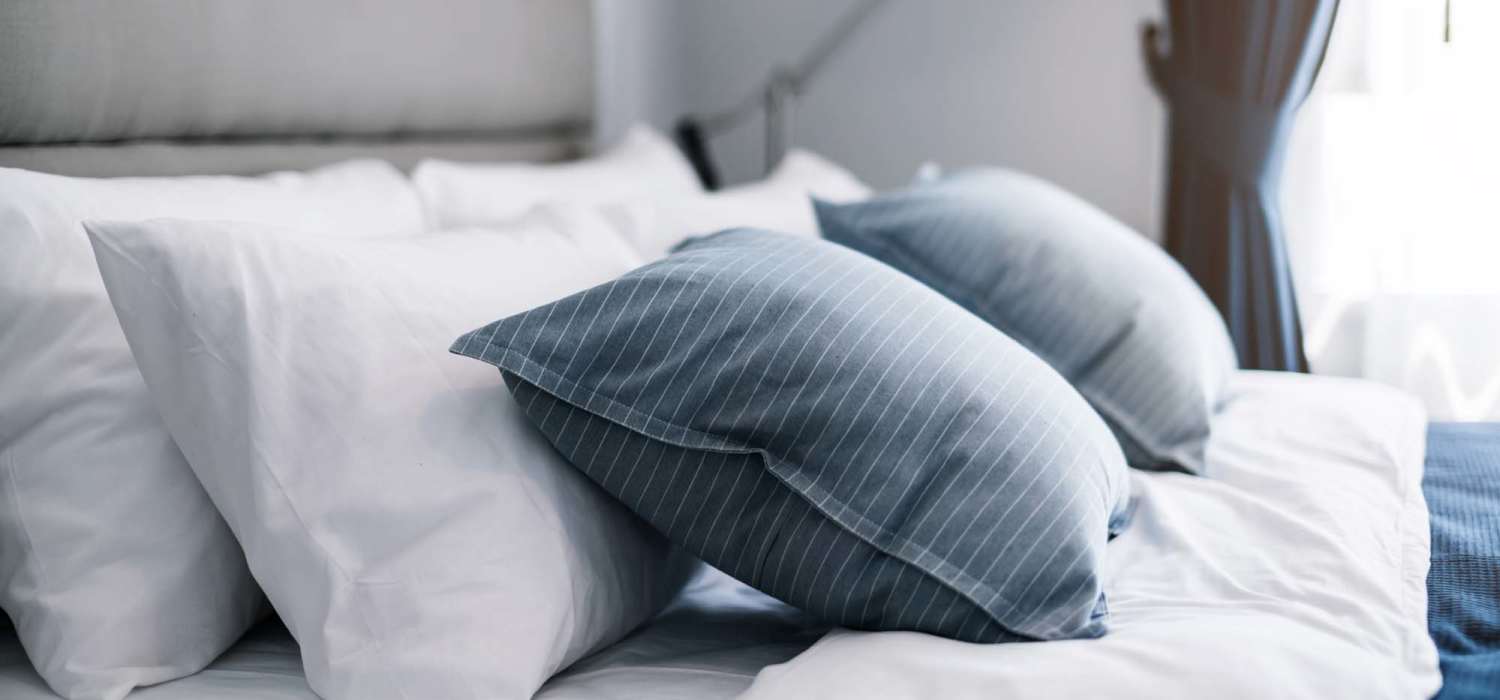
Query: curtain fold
1233, 76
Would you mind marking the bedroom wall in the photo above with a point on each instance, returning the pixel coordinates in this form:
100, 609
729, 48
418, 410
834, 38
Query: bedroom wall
637, 52
1054, 87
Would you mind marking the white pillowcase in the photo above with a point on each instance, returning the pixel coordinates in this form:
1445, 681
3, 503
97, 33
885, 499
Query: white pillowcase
113, 563
418, 536
781, 202
467, 194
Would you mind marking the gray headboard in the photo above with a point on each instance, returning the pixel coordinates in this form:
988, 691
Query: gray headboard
167, 87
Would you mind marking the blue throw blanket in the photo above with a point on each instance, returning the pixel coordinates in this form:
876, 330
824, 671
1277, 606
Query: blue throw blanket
1462, 485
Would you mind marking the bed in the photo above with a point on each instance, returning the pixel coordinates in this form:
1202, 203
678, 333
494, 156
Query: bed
1236, 587
1300, 570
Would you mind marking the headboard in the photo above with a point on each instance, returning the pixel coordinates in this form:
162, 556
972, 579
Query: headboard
172, 87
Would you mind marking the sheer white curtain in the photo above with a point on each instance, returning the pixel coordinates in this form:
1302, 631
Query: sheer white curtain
1391, 199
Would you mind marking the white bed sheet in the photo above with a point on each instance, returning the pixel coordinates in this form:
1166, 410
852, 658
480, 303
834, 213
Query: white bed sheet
707, 645
1297, 570
264, 665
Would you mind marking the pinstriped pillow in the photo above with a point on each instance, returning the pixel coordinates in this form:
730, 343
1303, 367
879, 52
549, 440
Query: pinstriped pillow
1104, 306
831, 432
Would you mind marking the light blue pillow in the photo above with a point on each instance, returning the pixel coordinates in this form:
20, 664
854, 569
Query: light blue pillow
1103, 305
831, 432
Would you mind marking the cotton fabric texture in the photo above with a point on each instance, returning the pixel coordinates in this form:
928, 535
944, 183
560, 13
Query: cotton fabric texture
1107, 308
831, 432
419, 538
1299, 571
114, 565
1310, 595
643, 163
781, 202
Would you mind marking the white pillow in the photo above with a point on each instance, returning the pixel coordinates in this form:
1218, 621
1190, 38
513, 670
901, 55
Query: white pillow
781, 202
468, 194
113, 564
416, 534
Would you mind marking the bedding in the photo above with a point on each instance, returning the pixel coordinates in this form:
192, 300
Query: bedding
1288, 592
417, 536
114, 565
643, 163
846, 452
780, 202
1103, 305
1462, 485
262, 665
1296, 572
706, 645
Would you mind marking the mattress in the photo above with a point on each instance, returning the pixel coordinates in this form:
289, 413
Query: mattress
1297, 570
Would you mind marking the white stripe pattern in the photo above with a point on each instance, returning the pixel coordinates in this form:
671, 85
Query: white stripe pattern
831, 432
1108, 309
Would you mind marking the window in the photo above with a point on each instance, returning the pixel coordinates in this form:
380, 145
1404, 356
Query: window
1391, 199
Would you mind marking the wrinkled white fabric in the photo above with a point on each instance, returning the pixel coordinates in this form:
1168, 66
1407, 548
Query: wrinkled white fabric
643, 163
263, 665
113, 563
707, 645
417, 535
1297, 571
782, 202
1249, 587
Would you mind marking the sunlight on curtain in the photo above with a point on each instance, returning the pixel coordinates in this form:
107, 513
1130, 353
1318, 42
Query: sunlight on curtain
1391, 202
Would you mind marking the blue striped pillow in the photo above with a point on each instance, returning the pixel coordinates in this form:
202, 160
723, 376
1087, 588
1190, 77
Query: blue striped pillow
1102, 304
831, 432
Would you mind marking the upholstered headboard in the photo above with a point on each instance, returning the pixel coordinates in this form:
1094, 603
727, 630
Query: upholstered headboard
168, 87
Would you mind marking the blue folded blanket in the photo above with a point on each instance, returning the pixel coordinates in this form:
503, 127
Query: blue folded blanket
1462, 485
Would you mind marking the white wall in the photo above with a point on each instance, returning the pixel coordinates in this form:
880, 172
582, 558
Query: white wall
636, 59
1054, 87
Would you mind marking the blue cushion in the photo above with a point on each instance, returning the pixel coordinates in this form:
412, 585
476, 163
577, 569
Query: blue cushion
1103, 305
831, 432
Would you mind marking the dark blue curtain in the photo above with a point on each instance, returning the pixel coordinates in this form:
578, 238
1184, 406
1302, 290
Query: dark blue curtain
1233, 73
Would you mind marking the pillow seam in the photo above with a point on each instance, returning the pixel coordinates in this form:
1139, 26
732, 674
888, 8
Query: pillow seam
280, 488
542, 377
1132, 427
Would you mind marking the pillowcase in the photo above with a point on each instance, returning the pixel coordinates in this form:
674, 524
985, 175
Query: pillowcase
113, 564
831, 432
1103, 305
466, 194
416, 534
779, 203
